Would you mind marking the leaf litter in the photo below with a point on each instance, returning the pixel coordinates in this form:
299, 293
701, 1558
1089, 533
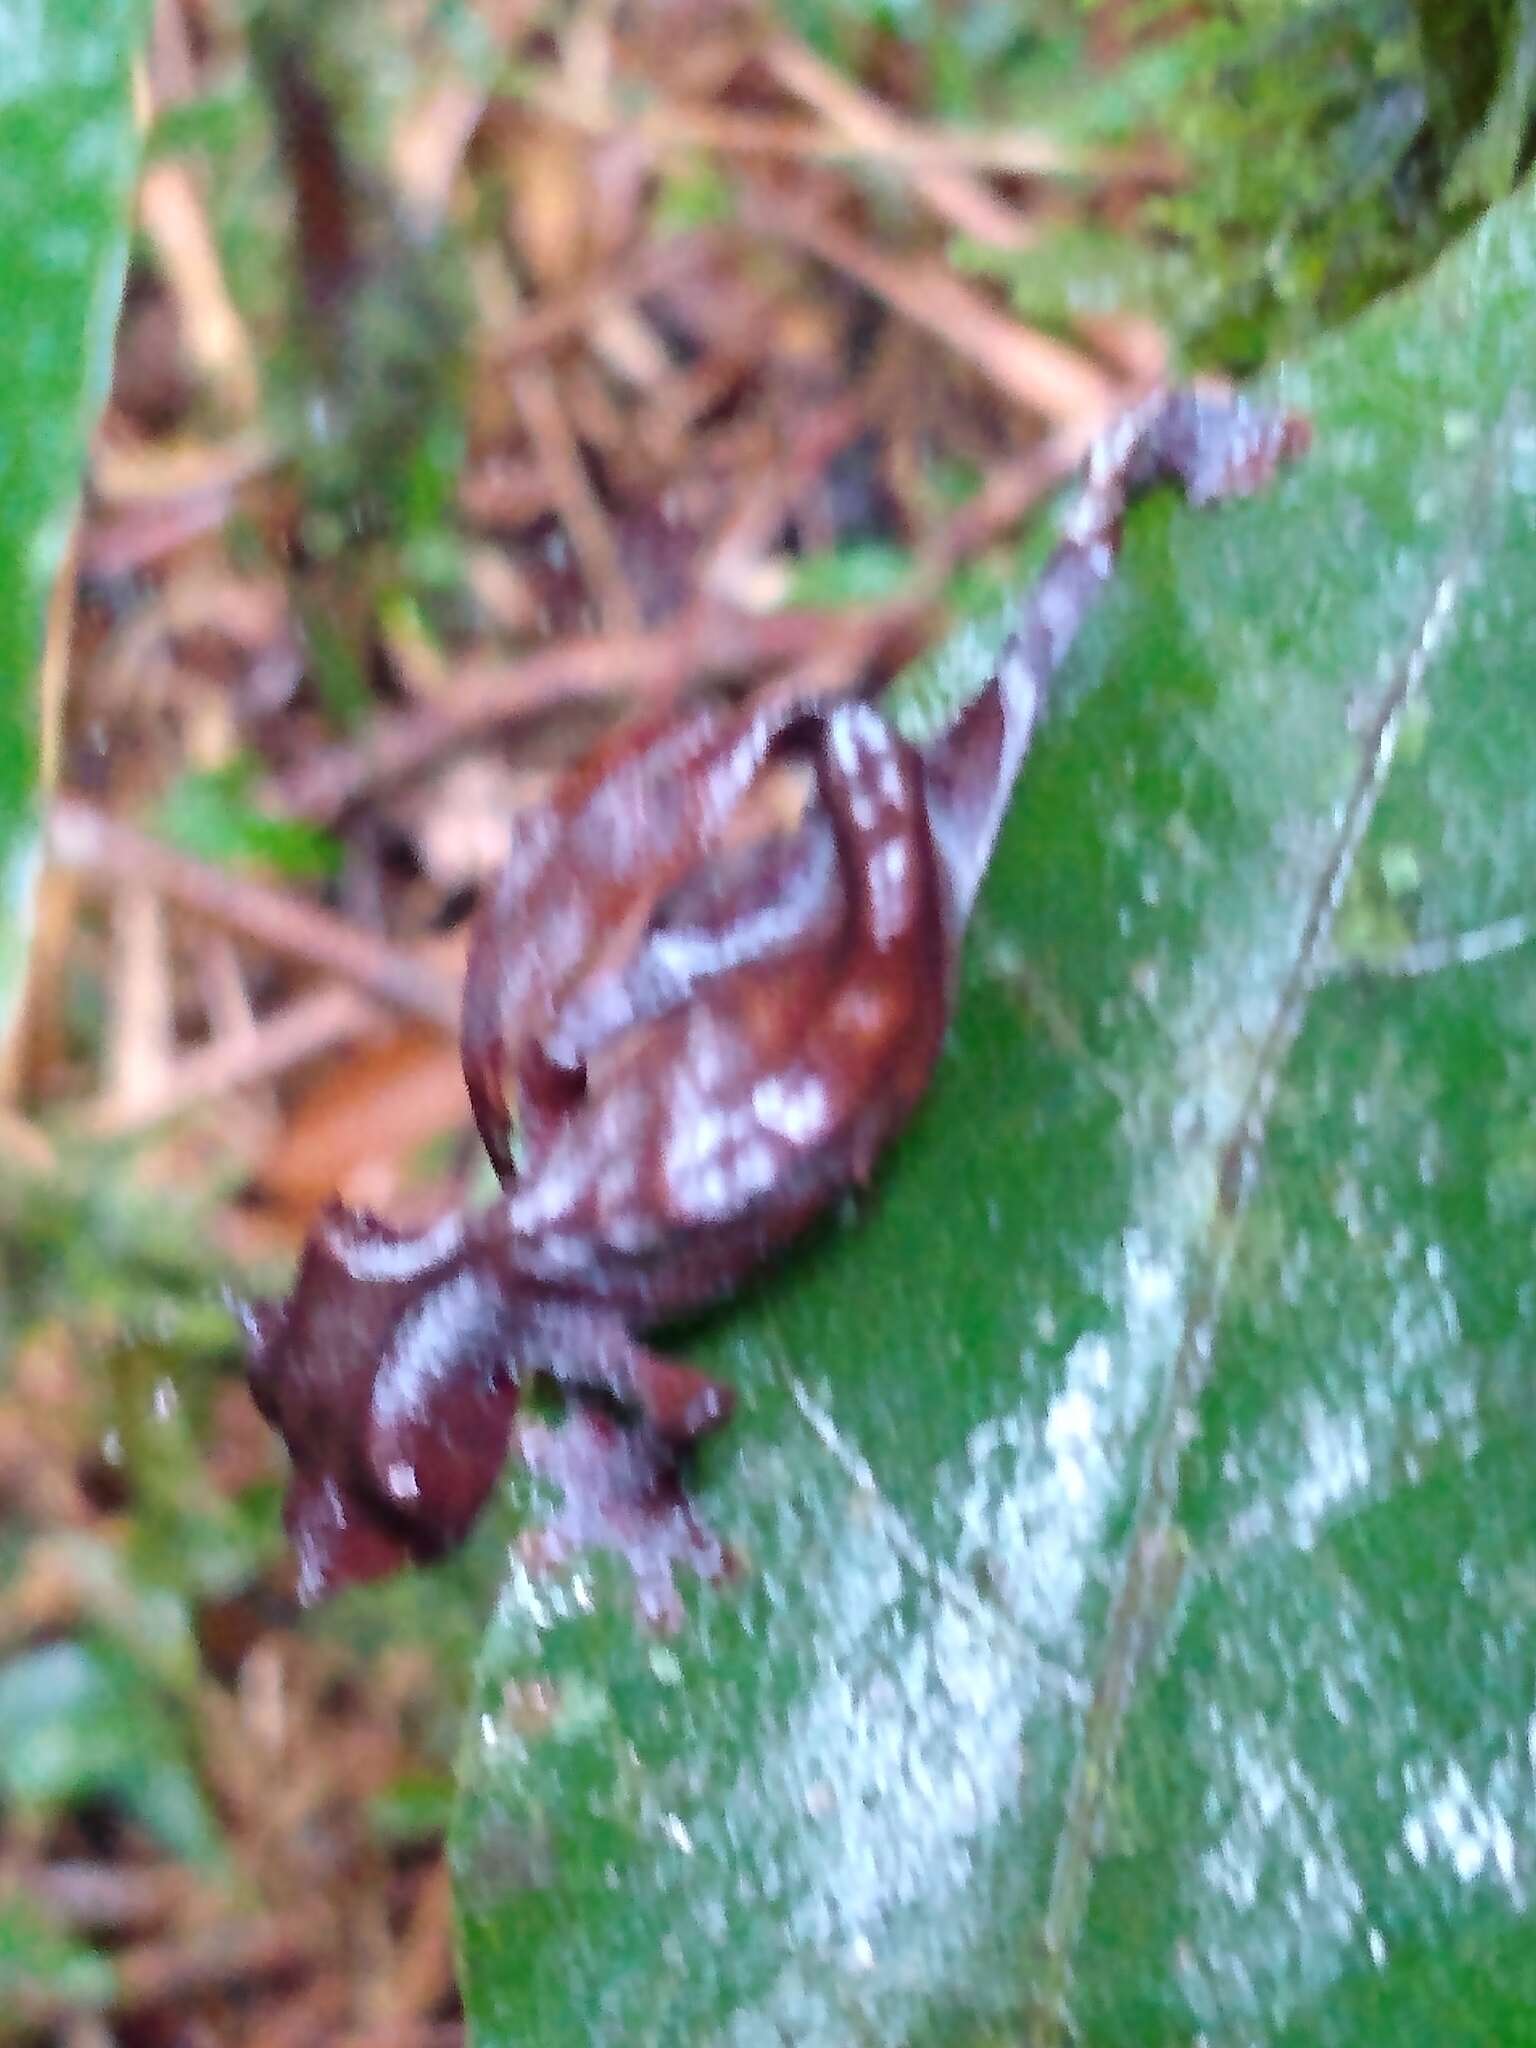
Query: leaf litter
463, 403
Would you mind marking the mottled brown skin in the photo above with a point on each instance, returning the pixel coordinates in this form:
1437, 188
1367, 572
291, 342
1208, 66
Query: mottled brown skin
706, 1044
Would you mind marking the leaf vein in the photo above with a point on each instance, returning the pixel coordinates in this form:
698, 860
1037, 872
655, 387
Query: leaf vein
1154, 1555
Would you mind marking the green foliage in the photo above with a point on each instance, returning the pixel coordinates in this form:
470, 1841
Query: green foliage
127, 1288
1494, 105
216, 815
43, 1970
367, 383
85, 1243
693, 194
413, 1809
974, 57
859, 572
95, 1718
1330, 149
67, 146
81, 1721
1135, 1640
123, 1284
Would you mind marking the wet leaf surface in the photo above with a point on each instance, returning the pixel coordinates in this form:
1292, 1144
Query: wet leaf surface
67, 151
1135, 1629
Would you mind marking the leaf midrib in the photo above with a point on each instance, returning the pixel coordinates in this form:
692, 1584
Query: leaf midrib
1155, 1557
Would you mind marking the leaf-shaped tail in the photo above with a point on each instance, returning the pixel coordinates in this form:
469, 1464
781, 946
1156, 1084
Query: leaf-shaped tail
1210, 446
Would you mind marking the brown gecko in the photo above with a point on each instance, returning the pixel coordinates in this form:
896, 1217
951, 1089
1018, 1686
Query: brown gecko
707, 1042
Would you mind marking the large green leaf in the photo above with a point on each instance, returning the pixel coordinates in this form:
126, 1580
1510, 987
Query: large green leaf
67, 149
1137, 1643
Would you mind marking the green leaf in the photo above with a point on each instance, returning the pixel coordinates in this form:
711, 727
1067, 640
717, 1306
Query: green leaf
861, 572
1136, 1642
44, 1970
81, 1721
411, 1810
216, 815
67, 147
693, 193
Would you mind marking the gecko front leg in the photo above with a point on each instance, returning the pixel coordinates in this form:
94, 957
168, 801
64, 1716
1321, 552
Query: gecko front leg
587, 1349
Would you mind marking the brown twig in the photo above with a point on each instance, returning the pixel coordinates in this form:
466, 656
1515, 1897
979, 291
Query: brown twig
23, 1146
1006, 152
1010, 493
108, 1896
945, 183
422, 1972
710, 643
185, 1967
175, 222
570, 489
134, 472
771, 494
320, 1021
554, 321
1049, 378
83, 839
173, 212
141, 1032
413, 2034
233, 1952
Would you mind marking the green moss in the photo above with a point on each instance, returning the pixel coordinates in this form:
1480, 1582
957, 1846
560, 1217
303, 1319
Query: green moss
1331, 149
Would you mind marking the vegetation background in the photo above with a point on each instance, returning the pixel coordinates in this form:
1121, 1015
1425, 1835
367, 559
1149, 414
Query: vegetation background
394, 393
